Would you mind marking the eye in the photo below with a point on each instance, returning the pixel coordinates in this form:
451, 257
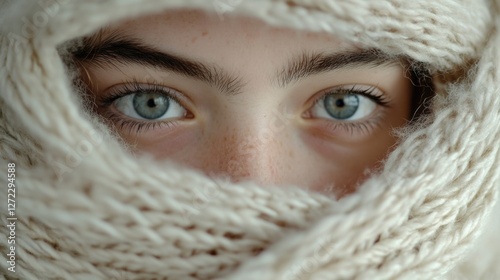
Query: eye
149, 105
346, 104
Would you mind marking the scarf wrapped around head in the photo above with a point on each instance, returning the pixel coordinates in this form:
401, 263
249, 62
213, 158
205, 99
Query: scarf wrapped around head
87, 209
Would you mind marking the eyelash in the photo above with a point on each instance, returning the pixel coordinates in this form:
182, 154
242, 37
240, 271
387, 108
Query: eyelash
356, 126
137, 126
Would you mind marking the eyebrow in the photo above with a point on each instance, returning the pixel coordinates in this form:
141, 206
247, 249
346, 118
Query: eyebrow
311, 64
116, 49
122, 50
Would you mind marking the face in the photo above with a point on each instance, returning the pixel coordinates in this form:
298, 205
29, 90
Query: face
241, 99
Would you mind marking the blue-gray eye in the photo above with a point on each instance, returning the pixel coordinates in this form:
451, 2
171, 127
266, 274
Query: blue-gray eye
150, 106
341, 106
344, 104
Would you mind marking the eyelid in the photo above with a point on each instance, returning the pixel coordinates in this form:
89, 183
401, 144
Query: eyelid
368, 91
127, 88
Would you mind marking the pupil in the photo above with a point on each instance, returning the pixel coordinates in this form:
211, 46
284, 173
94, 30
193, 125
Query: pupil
340, 103
151, 103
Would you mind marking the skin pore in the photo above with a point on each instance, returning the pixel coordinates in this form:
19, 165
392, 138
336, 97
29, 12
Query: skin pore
241, 99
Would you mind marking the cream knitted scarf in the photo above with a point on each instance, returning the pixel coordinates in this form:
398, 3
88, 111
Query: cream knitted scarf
87, 209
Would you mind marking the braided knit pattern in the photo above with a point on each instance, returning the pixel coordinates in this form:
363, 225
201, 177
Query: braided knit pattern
87, 209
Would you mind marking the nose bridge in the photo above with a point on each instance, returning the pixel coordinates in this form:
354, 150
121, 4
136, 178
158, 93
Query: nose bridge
251, 152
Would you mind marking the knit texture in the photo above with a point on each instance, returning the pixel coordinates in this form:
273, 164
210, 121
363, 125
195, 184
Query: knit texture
88, 209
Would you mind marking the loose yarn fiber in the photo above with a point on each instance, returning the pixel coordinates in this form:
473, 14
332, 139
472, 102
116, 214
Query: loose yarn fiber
87, 209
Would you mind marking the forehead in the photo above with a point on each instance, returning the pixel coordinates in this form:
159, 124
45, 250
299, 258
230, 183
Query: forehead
197, 31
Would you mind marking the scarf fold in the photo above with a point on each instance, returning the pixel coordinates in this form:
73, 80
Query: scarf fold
87, 209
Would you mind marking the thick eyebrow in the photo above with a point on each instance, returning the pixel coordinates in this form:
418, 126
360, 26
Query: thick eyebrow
316, 63
120, 50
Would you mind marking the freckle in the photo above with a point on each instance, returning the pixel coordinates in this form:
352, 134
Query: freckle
205, 33
194, 39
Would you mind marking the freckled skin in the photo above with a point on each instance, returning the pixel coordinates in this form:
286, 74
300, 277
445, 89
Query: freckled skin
250, 136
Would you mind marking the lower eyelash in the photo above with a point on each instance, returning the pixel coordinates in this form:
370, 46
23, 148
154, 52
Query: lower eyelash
135, 126
365, 127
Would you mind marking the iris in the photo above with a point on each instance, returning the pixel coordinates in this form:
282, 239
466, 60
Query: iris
341, 106
151, 105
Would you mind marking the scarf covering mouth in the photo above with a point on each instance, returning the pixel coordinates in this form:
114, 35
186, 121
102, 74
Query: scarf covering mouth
87, 209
